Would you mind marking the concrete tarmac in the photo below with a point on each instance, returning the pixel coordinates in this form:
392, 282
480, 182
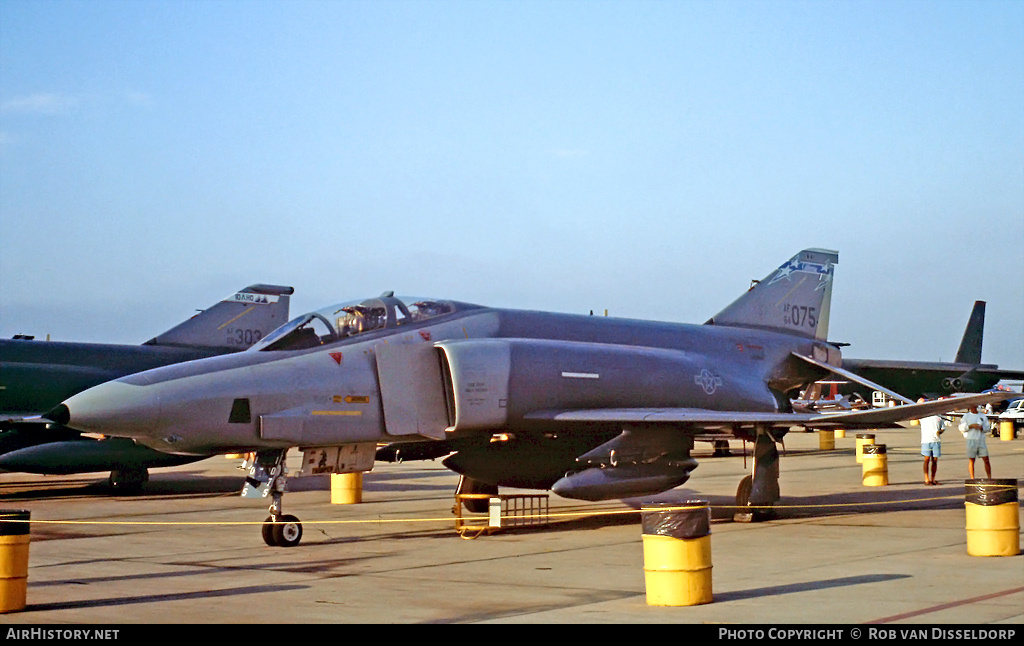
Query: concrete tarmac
188, 550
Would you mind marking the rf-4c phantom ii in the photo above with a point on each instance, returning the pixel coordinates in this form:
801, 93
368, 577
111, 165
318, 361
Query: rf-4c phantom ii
590, 407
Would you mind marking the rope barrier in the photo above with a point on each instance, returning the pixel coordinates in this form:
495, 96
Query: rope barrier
550, 515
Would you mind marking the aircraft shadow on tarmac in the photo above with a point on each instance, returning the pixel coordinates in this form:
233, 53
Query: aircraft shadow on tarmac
197, 483
168, 485
160, 598
870, 500
775, 590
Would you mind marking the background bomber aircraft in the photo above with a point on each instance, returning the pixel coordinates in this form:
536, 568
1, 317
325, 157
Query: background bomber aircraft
916, 379
589, 407
35, 376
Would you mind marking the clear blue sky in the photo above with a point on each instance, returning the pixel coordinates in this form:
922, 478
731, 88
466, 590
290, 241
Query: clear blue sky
650, 158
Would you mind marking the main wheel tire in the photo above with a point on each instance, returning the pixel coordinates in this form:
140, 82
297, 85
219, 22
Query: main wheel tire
127, 481
743, 491
743, 500
476, 505
287, 531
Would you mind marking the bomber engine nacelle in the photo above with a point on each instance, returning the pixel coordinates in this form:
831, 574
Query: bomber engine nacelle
491, 383
967, 382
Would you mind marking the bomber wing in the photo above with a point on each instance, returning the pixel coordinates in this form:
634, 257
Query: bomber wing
943, 369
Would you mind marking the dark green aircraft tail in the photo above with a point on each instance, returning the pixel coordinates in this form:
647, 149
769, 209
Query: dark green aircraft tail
795, 298
970, 345
236, 322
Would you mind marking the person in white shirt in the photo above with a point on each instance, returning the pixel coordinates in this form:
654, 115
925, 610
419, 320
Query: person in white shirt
975, 426
931, 446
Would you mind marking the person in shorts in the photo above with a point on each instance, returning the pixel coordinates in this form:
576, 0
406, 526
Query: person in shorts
974, 426
931, 446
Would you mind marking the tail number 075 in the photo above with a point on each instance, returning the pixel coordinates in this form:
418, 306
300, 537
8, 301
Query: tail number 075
800, 316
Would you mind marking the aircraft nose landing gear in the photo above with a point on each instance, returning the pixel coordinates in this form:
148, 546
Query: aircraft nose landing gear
267, 478
282, 531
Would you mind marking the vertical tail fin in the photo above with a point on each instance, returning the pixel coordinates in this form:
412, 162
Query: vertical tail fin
970, 345
236, 322
795, 298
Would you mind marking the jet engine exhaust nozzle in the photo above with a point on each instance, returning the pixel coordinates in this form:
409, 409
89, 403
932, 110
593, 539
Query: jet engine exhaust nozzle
59, 415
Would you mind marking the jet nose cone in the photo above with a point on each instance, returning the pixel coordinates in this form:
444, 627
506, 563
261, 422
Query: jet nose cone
114, 408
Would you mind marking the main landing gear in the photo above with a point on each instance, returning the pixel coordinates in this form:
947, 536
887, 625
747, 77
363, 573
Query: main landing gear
127, 481
760, 490
267, 478
475, 496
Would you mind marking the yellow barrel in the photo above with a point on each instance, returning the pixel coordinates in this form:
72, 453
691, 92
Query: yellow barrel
677, 554
993, 517
875, 466
840, 433
14, 540
1006, 429
346, 488
862, 439
826, 440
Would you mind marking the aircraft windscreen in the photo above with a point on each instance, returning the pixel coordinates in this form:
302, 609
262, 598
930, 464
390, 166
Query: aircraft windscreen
350, 319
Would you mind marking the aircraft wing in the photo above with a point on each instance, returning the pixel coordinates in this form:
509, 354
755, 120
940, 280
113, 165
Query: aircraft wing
724, 420
1004, 374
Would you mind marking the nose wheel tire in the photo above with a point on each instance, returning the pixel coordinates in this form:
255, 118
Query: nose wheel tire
268, 531
286, 531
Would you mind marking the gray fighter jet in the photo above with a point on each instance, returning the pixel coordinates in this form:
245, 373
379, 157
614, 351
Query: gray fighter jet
589, 407
35, 376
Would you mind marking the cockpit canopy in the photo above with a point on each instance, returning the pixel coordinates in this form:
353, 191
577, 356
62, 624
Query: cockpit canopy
345, 320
